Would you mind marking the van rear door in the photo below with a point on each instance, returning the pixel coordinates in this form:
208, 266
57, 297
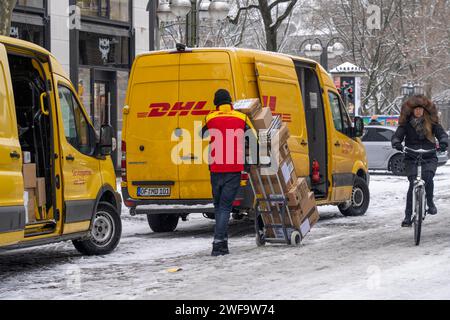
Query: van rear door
201, 75
12, 210
150, 124
279, 89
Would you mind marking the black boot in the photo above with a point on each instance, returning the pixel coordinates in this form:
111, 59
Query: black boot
407, 221
220, 249
432, 208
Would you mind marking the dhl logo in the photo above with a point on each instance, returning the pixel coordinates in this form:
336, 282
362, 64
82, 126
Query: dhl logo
178, 109
182, 109
271, 102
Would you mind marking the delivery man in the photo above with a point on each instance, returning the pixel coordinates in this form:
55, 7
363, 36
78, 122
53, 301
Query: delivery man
227, 128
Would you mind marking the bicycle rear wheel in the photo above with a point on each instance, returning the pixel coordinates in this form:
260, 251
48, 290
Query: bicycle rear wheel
418, 216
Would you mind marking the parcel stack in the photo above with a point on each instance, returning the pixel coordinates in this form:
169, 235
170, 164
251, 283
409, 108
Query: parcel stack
275, 174
34, 195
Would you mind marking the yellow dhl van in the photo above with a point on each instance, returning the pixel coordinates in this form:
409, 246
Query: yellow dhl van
57, 181
169, 90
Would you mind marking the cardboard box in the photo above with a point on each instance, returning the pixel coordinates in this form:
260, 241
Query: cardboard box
29, 175
293, 196
303, 187
315, 217
281, 135
30, 200
248, 106
308, 203
40, 192
262, 119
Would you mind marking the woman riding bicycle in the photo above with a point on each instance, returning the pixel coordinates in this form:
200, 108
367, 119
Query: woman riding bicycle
419, 127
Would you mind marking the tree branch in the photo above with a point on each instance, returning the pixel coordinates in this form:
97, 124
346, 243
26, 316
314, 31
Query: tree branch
235, 20
286, 13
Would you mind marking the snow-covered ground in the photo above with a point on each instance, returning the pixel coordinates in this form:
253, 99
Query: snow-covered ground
369, 257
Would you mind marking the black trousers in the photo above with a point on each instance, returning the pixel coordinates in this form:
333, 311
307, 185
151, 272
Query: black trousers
427, 176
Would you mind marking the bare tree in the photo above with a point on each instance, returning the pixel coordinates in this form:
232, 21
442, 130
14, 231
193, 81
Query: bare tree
6, 9
272, 13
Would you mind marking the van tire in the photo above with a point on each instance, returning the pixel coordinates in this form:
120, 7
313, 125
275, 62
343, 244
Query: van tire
102, 242
163, 222
360, 200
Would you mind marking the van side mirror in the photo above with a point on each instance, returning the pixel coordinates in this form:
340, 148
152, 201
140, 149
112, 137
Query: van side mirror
358, 127
106, 140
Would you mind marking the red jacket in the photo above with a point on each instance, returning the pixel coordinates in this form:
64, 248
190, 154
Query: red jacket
227, 147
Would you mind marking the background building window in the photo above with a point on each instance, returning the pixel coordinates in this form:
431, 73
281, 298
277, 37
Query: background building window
28, 32
117, 10
102, 50
31, 3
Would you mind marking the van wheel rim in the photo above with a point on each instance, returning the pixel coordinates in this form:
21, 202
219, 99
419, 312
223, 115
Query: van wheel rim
103, 229
357, 197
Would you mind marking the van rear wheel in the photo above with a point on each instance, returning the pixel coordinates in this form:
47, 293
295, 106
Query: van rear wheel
105, 234
163, 222
359, 203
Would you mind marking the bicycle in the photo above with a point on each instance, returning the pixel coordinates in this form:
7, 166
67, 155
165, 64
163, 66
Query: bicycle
419, 193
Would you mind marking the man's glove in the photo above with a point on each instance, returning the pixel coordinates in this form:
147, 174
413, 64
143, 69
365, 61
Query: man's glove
398, 146
443, 147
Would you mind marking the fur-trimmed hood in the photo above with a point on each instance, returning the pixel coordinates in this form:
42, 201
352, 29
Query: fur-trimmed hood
418, 101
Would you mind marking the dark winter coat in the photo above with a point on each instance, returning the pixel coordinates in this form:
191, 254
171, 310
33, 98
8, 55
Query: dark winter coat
407, 133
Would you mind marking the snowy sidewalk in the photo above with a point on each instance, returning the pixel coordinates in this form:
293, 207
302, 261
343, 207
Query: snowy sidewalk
368, 257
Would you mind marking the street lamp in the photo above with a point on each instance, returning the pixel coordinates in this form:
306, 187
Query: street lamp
195, 12
409, 89
315, 48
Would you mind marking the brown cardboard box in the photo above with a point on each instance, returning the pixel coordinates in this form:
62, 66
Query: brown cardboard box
29, 175
308, 203
30, 205
40, 192
284, 150
315, 217
262, 119
286, 174
248, 106
281, 135
303, 187
293, 196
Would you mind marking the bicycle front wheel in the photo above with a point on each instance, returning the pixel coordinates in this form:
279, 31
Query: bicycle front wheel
418, 216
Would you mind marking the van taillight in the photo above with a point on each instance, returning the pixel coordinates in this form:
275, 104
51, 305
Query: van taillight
244, 176
124, 161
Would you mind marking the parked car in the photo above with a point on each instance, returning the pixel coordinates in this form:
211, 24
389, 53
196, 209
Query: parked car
381, 155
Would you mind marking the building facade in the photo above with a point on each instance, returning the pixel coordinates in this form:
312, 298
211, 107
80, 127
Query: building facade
96, 42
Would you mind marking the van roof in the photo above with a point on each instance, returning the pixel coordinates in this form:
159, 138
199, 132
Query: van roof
24, 44
242, 51
232, 49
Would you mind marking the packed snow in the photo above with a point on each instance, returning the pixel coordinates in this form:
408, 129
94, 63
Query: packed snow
368, 257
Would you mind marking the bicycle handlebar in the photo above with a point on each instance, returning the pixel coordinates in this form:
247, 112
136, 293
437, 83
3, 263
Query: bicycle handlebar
418, 151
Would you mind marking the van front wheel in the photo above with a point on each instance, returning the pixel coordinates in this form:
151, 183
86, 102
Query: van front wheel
163, 222
105, 234
359, 202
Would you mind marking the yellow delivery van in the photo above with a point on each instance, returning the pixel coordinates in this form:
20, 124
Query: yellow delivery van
169, 91
57, 180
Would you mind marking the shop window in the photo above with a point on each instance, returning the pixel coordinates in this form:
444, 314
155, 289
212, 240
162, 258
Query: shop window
117, 10
28, 32
101, 50
31, 3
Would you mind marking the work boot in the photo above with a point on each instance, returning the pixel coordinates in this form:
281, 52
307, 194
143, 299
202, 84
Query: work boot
432, 209
220, 249
407, 222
